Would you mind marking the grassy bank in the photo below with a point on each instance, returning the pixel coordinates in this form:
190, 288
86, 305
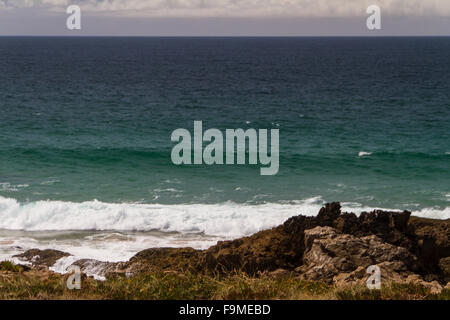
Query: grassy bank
16, 283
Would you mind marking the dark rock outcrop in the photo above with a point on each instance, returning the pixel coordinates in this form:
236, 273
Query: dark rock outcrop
433, 239
42, 258
284, 246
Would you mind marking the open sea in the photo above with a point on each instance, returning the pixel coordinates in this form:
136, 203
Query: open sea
85, 127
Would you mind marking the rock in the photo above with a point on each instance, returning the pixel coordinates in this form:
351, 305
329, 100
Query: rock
444, 265
161, 259
356, 277
42, 258
330, 253
433, 286
434, 238
279, 273
97, 268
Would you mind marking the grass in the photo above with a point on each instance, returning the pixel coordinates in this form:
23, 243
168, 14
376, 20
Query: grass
394, 291
9, 266
17, 284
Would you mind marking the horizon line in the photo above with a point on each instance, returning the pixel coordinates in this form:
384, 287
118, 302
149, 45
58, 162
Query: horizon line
230, 36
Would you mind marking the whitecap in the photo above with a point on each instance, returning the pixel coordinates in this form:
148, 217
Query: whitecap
224, 219
6, 186
49, 182
364, 153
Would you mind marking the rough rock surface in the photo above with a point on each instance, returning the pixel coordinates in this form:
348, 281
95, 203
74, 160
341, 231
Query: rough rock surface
329, 253
42, 258
97, 268
444, 265
434, 238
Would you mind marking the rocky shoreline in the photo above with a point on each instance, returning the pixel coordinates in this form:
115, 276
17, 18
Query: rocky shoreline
333, 247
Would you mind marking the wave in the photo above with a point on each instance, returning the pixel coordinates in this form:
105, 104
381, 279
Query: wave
227, 219
6, 186
431, 213
364, 153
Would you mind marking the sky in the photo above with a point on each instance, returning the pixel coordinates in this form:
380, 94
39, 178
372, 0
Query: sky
225, 17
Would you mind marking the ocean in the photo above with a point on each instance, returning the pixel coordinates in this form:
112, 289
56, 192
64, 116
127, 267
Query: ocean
85, 129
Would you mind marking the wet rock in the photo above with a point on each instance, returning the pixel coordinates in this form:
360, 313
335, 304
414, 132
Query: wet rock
160, 259
42, 258
97, 269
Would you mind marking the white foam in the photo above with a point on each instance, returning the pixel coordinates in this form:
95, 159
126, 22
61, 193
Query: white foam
431, 213
49, 182
364, 153
6, 186
226, 219
62, 265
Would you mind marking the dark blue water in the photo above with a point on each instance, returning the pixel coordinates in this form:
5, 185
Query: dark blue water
91, 118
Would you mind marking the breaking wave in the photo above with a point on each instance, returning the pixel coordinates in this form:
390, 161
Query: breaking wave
225, 219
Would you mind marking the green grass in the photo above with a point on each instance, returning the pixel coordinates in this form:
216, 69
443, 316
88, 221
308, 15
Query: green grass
394, 291
18, 284
9, 266
161, 286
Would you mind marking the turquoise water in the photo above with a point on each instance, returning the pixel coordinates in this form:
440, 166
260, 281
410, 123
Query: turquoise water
362, 120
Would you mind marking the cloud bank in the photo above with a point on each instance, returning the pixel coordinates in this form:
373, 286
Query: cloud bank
239, 8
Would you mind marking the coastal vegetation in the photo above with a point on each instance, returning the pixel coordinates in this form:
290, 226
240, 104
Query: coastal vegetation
33, 284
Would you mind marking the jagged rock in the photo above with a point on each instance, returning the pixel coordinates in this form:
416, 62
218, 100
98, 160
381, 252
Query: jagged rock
330, 253
160, 259
433, 286
42, 258
444, 264
283, 246
434, 238
96, 268
390, 272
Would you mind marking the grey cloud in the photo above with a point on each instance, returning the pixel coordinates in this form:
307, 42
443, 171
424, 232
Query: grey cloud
240, 8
